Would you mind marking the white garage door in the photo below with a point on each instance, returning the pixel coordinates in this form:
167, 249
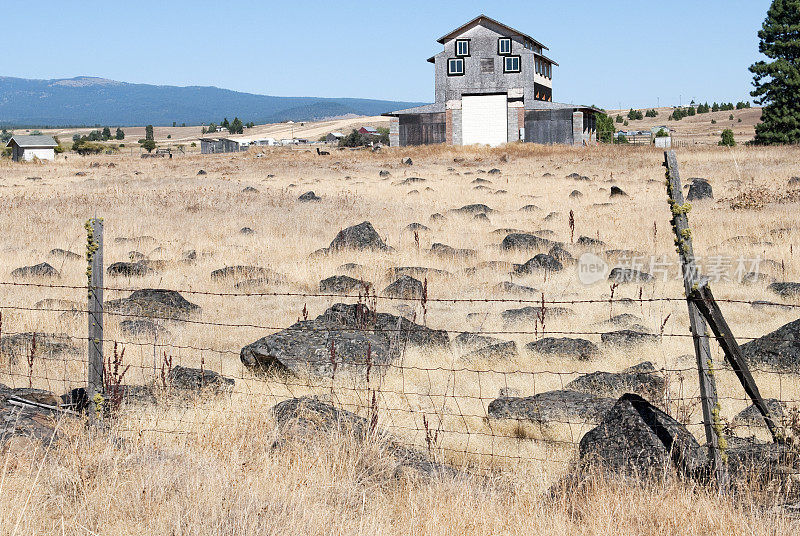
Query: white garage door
484, 119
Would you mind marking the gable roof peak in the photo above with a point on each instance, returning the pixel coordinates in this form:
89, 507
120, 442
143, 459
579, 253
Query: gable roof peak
481, 18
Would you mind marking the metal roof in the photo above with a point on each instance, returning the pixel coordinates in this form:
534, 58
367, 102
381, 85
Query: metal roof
33, 141
482, 17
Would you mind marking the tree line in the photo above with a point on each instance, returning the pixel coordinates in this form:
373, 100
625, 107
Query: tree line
234, 127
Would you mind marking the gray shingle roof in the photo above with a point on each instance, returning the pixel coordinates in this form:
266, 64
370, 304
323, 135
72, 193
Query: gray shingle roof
547, 105
436, 107
33, 141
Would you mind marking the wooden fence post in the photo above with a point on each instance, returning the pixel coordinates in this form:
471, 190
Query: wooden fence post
691, 279
94, 255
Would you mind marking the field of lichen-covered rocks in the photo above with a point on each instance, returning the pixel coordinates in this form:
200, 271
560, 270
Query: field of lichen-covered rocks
479, 230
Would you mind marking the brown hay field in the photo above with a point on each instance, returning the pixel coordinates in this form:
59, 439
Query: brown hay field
207, 466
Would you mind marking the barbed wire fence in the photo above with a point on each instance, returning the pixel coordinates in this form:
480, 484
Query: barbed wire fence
443, 407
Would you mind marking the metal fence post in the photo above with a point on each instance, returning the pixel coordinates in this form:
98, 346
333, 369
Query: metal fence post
94, 256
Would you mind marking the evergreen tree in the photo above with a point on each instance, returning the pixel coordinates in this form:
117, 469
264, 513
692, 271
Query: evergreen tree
715, 107
727, 138
777, 82
605, 128
120, 134
236, 127
225, 123
106, 133
148, 133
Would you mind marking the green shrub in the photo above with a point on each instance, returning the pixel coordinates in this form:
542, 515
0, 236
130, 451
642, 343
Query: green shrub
662, 133
619, 119
193, 144
634, 115
651, 113
621, 139
727, 138
149, 145
713, 121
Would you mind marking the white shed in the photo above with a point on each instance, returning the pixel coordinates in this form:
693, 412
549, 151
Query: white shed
29, 147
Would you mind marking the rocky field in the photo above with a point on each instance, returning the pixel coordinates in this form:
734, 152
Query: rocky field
402, 341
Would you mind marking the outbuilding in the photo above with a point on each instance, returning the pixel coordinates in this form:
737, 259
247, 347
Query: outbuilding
29, 147
334, 137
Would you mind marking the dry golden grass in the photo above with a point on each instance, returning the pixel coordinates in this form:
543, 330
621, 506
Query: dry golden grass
208, 468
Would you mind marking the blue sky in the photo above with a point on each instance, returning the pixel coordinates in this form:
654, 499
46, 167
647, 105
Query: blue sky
612, 53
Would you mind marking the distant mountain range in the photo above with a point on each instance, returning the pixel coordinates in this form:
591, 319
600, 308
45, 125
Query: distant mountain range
88, 101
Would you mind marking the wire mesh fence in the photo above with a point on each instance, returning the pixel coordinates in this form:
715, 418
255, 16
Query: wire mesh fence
527, 391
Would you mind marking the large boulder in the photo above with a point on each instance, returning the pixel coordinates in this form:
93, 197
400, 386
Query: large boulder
525, 241
779, 350
785, 289
751, 416
627, 338
17, 347
552, 407
541, 262
358, 237
405, 287
444, 250
340, 338
564, 347
308, 418
241, 272
156, 303
498, 351
38, 270
700, 189
532, 314
28, 421
342, 284
637, 439
474, 209
615, 384
129, 269
199, 380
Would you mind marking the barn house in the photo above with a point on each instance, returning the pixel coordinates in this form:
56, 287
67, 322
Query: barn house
369, 131
224, 145
334, 137
29, 147
494, 85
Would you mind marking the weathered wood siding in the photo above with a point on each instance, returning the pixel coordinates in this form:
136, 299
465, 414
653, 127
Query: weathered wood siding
422, 129
549, 126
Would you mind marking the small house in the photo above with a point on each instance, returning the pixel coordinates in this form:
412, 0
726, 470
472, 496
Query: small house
369, 131
29, 147
334, 137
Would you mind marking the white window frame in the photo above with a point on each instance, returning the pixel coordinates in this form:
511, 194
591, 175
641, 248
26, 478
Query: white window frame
500, 42
459, 43
455, 61
512, 58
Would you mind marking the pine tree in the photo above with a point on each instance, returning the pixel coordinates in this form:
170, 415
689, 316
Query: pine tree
148, 133
120, 134
225, 123
236, 127
106, 133
777, 82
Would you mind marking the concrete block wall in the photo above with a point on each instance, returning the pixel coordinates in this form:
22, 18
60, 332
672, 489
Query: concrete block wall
394, 132
577, 128
516, 120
